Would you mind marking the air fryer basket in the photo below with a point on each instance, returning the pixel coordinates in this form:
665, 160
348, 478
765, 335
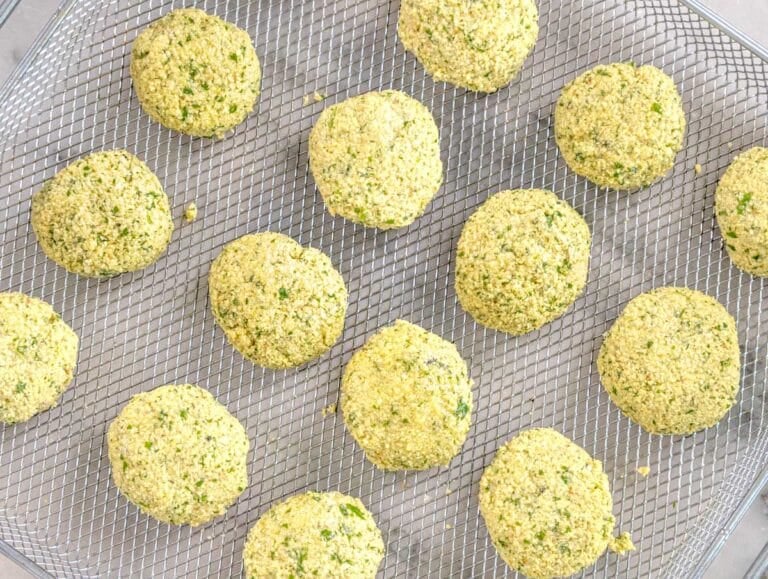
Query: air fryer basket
73, 95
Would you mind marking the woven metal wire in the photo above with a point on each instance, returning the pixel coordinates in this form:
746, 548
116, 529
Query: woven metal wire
58, 506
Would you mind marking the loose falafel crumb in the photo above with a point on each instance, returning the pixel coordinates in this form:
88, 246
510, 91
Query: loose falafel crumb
643, 470
328, 410
190, 213
621, 544
315, 97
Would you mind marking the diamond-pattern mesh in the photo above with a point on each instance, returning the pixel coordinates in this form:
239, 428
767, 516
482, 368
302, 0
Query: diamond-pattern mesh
57, 504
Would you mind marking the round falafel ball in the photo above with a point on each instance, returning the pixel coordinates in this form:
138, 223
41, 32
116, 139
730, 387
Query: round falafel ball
375, 159
103, 215
620, 125
178, 454
407, 398
671, 361
195, 73
279, 304
522, 260
480, 45
38, 353
741, 206
547, 505
314, 535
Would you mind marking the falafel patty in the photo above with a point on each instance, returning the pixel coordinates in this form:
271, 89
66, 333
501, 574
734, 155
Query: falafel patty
522, 260
480, 45
195, 73
178, 454
741, 206
314, 535
38, 353
103, 215
671, 361
407, 398
620, 125
279, 304
547, 505
375, 159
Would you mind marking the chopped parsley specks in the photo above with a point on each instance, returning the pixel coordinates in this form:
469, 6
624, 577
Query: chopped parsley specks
350, 509
741, 207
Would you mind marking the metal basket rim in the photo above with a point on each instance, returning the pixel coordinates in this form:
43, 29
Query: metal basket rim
697, 7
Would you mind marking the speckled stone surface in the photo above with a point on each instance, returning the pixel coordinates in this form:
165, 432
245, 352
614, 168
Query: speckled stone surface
750, 16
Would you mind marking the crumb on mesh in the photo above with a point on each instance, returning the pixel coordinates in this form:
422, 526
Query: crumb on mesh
315, 97
190, 213
621, 544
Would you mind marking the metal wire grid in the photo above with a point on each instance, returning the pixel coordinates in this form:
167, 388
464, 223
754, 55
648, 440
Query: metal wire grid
153, 327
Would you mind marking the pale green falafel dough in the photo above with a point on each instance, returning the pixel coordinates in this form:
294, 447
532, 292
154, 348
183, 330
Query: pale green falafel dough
38, 353
671, 361
741, 206
314, 535
477, 44
522, 260
407, 398
103, 215
280, 304
376, 159
620, 125
178, 454
547, 505
195, 73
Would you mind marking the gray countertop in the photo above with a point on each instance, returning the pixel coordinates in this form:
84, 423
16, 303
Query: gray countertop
751, 16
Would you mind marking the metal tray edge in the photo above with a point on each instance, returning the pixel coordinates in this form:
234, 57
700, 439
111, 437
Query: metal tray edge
697, 7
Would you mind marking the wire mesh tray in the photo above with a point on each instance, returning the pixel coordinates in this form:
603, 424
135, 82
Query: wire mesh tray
73, 95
